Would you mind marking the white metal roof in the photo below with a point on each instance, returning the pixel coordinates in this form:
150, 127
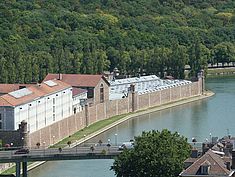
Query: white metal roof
144, 84
20, 93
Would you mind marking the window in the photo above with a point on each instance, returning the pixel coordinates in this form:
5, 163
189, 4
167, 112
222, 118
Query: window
205, 169
101, 93
0, 116
53, 109
90, 92
53, 117
53, 100
0, 125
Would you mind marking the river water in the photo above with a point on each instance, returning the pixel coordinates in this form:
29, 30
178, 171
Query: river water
215, 116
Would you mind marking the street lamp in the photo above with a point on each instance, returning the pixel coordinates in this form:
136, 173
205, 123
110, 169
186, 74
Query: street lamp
116, 139
84, 136
53, 139
44, 146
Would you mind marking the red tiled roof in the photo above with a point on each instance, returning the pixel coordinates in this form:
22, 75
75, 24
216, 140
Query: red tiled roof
7, 88
37, 91
78, 80
77, 91
3, 102
217, 166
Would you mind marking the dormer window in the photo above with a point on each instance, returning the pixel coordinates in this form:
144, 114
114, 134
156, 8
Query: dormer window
205, 168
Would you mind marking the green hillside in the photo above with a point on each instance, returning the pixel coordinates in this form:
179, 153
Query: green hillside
90, 36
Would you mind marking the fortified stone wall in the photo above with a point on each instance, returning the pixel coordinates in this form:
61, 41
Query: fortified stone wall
57, 131
133, 102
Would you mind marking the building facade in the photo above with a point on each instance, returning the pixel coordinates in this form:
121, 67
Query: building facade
96, 85
40, 105
79, 99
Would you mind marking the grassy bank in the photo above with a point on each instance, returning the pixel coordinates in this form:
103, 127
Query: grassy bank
88, 130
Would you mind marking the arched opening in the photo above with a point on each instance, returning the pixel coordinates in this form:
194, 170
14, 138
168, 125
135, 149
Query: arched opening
101, 93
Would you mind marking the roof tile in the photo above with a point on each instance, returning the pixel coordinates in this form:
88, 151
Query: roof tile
38, 90
77, 80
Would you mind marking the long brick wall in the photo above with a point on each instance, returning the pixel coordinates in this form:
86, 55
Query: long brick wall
74, 123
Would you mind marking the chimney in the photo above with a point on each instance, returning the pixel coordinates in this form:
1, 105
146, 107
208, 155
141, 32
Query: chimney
194, 153
228, 165
60, 76
233, 159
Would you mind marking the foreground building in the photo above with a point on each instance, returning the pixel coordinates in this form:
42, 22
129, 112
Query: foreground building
210, 164
40, 105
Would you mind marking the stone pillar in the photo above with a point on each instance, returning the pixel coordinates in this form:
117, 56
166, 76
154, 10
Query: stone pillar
24, 133
17, 169
86, 115
201, 80
24, 169
133, 98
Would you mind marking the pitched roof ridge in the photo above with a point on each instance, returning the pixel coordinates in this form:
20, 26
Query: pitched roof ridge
212, 155
215, 157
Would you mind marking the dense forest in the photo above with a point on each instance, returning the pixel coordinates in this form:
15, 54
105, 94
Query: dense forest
90, 36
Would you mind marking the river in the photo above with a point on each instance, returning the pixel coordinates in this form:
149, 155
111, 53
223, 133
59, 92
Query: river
198, 119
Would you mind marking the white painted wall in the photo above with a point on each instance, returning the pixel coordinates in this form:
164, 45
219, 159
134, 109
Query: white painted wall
77, 102
45, 110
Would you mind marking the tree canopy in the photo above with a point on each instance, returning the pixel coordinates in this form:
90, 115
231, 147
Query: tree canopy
154, 154
84, 36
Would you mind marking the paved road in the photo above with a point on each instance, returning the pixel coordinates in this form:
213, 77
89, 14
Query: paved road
66, 154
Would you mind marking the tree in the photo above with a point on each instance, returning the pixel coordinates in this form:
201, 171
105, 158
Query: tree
224, 52
155, 153
198, 56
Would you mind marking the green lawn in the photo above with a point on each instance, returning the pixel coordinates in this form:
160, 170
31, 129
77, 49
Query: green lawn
88, 130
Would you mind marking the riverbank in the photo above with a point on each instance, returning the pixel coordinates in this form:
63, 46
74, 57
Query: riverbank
77, 138
104, 125
220, 71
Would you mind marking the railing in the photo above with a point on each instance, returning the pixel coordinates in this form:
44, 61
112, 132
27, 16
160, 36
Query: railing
40, 154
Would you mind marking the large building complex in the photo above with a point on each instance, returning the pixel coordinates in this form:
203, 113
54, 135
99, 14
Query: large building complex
39, 105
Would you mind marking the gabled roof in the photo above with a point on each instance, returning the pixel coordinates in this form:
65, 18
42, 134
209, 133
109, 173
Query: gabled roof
77, 91
217, 166
78, 80
6, 88
32, 93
